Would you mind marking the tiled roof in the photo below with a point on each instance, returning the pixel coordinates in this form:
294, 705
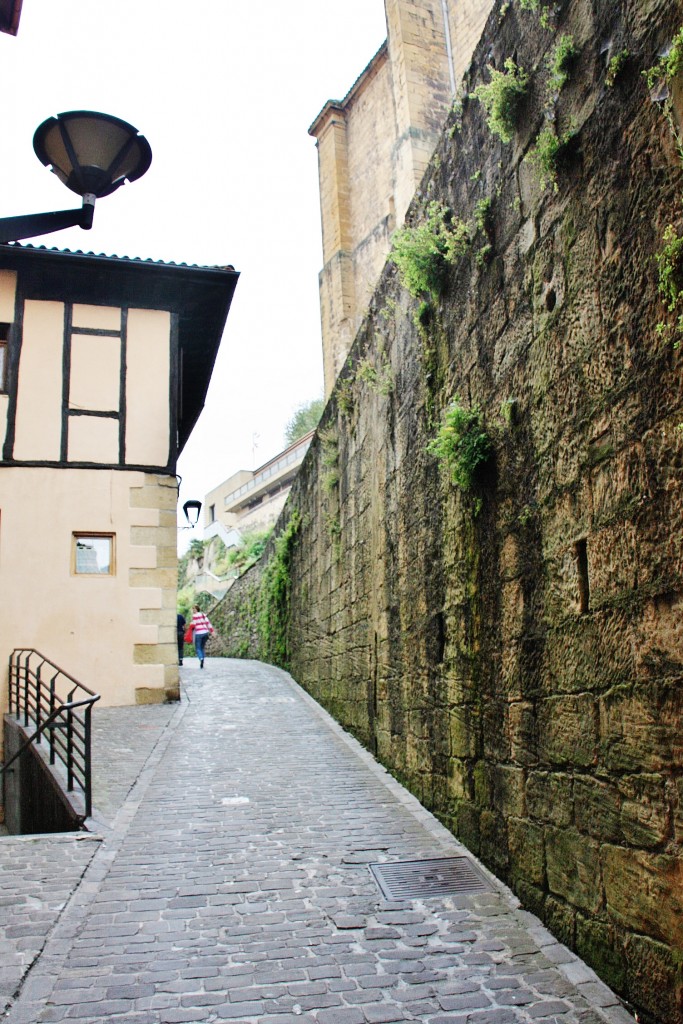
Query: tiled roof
114, 256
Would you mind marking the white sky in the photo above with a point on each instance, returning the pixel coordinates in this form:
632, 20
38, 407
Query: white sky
224, 91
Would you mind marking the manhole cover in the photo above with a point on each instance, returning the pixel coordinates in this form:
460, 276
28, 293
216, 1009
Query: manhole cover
416, 879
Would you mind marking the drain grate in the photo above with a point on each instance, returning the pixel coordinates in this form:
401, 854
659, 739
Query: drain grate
417, 879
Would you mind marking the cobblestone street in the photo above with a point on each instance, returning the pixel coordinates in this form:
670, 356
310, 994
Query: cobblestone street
229, 880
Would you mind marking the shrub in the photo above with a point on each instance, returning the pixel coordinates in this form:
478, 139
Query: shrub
501, 98
559, 63
462, 444
422, 253
546, 154
615, 67
669, 65
482, 215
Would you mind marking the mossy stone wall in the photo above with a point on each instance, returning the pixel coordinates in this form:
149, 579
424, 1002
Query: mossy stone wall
515, 654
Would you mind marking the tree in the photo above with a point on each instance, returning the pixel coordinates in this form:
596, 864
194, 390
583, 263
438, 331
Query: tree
304, 419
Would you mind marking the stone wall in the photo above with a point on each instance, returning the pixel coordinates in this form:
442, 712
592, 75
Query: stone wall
236, 617
515, 654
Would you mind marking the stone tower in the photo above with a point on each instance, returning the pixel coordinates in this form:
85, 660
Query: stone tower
373, 148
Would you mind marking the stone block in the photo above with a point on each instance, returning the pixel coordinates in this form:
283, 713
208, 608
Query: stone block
644, 892
600, 946
523, 733
154, 496
640, 727
644, 810
493, 840
573, 867
550, 797
155, 654
150, 695
561, 920
463, 732
567, 730
166, 579
597, 807
677, 788
508, 791
654, 978
527, 851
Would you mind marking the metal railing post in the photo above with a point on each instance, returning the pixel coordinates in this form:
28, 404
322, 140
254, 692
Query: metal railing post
52, 711
37, 689
26, 688
88, 763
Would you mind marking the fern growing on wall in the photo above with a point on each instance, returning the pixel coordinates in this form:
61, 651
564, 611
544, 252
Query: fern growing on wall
462, 444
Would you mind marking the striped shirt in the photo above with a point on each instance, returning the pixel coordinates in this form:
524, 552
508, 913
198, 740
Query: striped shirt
201, 624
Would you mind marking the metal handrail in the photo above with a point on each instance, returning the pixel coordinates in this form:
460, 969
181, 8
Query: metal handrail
35, 698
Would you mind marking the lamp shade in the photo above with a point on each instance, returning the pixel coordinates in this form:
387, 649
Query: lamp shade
192, 508
91, 152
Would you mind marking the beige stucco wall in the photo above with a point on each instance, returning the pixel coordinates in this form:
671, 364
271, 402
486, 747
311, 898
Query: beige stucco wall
94, 384
147, 394
39, 399
116, 634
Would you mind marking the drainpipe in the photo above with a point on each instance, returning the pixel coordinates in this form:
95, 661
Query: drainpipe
449, 48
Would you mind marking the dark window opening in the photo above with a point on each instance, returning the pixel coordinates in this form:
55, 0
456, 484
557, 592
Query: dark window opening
581, 556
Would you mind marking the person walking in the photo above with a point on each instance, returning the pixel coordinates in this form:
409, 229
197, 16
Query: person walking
181, 637
202, 628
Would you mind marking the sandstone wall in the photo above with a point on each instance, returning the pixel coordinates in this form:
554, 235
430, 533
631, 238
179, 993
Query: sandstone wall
374, 147
515, 655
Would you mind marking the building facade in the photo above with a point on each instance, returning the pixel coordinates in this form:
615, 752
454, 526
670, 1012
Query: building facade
250, 501
374, 147
104, 367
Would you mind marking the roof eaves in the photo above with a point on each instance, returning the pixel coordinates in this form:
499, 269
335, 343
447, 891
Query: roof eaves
340, 105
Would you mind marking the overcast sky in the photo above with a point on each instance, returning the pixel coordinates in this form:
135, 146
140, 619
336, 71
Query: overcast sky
224, 91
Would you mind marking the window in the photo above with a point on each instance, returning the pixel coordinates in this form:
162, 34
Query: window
212, 513
4, 355
93, 554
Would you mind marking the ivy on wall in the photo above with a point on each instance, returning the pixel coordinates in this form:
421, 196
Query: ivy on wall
275, 597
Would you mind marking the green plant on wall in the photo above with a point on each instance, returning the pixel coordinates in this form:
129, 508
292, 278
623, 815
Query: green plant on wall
483, 215
344, 395
560, 62
670, 267
546, 154
501, 98
542, 9
667, 68
329, 458
274, 597
381, 381
669, 64
670, 257
462, 444
423, 252
615, 67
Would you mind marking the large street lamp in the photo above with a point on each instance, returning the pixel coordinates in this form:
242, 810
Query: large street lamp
92, 154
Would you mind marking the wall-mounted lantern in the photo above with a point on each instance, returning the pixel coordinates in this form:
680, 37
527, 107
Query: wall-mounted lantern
191, 508
92, 154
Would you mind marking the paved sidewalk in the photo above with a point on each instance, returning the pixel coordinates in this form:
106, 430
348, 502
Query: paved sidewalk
231, 883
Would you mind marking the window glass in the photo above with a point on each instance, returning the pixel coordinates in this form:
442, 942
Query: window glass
93, 554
